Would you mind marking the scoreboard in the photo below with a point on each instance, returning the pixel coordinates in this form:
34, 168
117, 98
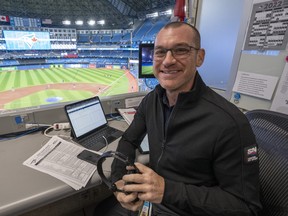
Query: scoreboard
27, 40
25, 22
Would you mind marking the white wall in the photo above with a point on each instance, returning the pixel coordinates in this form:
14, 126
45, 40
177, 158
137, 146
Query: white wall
219, 23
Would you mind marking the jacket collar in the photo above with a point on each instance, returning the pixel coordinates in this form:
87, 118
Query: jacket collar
187, 97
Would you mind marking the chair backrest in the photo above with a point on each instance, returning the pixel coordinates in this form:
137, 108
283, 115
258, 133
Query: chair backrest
271, 131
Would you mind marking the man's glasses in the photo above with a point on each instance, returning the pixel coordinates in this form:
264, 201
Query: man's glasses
177, 52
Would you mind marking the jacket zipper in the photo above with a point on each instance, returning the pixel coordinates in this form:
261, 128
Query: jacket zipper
162, 151
164, 141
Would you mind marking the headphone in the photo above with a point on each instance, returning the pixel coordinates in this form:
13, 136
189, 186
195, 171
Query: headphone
119, 156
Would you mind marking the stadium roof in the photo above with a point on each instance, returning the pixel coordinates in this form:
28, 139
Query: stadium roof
118, 14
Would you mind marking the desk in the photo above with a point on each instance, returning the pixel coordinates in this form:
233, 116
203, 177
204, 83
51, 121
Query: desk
23, 189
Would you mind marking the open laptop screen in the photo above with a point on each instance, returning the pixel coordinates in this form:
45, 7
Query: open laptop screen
85, 116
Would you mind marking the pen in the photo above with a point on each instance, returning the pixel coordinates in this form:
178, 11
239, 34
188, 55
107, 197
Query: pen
47, 153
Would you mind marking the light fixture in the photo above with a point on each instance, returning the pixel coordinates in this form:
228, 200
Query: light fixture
151, 15
66, 22
91, 22
101, 22
169, 12
79, 22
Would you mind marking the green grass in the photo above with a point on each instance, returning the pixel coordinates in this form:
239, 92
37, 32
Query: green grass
40, 98
147, 70
15, 80
19, 79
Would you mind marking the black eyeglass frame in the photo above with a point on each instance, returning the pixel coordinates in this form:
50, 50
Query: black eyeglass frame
172, 50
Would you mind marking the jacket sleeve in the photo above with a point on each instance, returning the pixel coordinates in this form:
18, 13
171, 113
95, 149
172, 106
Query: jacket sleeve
237, 191
129, 142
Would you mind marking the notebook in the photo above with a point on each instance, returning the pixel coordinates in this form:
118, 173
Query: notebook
89, 124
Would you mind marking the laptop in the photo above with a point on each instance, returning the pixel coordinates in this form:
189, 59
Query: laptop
89, 126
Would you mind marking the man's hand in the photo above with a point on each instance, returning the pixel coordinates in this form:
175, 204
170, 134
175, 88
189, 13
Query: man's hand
127, 200
146, 185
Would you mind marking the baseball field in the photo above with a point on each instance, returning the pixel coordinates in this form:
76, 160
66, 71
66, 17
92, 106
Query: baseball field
147, 70
26, 88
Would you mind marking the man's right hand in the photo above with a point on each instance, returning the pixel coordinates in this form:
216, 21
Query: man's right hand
127, 200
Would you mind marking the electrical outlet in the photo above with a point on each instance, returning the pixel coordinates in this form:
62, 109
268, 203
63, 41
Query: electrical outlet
20, 121
25, 118
116, 104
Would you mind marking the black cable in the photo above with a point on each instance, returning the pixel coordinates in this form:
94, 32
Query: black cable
17, 135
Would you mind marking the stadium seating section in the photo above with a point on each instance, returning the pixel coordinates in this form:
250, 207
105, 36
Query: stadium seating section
102, 47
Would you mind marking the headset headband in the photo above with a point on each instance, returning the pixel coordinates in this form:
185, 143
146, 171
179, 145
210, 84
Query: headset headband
116, 155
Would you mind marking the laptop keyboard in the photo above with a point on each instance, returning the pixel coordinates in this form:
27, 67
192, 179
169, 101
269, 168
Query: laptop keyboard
97, 141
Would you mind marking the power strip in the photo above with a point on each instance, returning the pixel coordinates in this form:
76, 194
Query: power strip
30, 125
61, 126
56, 126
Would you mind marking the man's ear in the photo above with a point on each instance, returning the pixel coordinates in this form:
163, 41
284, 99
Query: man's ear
200, 57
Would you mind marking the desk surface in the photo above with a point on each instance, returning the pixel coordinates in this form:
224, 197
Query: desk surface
22, 188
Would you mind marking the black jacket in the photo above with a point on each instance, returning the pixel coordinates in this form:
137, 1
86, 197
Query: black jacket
204, 153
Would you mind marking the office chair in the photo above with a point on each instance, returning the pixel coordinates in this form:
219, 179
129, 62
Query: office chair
271, 131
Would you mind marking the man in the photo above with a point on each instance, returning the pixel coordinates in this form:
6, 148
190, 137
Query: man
200, 144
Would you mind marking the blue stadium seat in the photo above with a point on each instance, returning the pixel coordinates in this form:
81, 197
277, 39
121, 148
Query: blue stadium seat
96, 38
106, 39
116, 38
151, 34
83, 38
140, 32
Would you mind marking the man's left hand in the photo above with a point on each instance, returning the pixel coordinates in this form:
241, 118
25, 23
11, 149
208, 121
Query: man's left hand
149, 185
